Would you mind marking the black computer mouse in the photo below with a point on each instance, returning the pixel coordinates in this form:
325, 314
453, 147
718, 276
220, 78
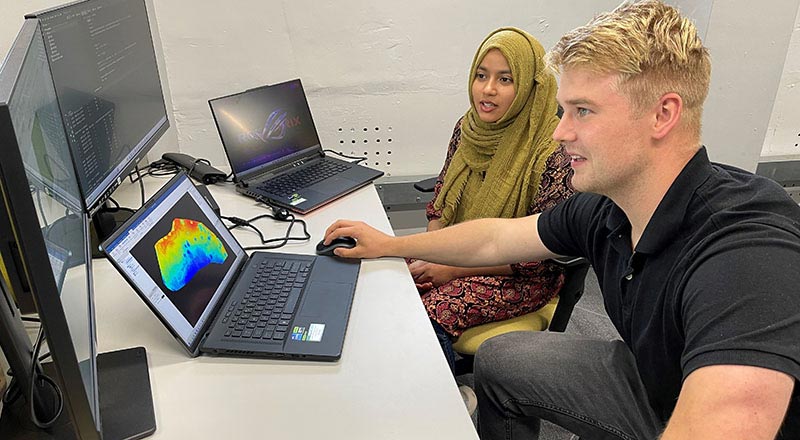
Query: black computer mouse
345, 242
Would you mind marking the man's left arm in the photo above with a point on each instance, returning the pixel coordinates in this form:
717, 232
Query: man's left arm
730, 402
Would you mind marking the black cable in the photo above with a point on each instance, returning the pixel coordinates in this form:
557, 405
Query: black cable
358, 159
12, 390
196, 161
158, 168
117, 207
269, 243
141, 183
37, 375
30, 319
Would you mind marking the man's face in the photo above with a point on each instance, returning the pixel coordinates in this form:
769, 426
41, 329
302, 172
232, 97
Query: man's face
601, 134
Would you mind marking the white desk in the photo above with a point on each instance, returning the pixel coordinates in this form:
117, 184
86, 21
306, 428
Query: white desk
391, 382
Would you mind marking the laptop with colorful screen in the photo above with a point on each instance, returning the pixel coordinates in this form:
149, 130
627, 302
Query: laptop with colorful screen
192, 273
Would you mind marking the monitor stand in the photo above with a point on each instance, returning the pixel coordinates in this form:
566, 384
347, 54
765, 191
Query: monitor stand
126, 402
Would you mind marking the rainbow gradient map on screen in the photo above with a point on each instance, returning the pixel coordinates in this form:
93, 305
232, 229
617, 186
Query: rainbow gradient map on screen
185, 250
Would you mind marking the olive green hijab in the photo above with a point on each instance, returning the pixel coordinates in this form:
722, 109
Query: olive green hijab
497, 168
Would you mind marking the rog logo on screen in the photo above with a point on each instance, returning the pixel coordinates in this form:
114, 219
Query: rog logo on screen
275, 127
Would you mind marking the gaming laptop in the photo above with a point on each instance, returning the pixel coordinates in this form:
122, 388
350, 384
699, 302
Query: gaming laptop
189, 269
275, 154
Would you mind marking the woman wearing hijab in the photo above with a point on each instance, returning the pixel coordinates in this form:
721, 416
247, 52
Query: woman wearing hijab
502, 162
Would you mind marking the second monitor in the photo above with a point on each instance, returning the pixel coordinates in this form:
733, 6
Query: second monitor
109, 92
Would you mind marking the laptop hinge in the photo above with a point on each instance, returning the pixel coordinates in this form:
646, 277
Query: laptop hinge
284, 167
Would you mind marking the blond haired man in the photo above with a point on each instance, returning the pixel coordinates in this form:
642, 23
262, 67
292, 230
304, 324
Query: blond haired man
697, 261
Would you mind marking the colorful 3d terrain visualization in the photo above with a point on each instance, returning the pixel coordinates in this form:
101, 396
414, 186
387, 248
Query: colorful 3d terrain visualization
185, 250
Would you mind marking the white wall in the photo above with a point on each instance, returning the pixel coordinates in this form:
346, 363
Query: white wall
398, 69
748, 42
401, 67
783, 134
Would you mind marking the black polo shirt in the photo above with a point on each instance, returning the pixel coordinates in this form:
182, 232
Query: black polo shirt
714, 279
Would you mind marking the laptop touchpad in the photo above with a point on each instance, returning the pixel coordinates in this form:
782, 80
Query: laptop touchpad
324, 299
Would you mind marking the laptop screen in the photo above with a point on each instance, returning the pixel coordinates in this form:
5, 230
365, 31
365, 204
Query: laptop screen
176, 252
264, 126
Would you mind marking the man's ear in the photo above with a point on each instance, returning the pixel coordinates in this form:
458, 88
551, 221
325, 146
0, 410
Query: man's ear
668, 113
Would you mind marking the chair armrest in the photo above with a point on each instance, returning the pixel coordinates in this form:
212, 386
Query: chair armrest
568, 261
426, 185
572, 290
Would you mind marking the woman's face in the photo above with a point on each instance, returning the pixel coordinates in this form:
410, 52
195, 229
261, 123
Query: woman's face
493, 88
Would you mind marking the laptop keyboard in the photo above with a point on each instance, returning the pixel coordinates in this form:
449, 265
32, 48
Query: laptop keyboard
286, 184
266, 310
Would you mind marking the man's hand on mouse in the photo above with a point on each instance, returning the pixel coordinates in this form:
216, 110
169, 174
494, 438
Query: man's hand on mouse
370, 243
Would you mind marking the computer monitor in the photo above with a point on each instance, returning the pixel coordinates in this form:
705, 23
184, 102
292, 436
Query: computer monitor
109, 93
57, 272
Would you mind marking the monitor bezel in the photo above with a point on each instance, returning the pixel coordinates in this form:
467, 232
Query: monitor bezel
32, 249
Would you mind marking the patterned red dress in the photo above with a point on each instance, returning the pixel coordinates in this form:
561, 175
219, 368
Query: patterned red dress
466, 302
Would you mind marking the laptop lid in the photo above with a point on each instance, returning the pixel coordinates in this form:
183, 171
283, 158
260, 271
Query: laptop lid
179, 257
265, 128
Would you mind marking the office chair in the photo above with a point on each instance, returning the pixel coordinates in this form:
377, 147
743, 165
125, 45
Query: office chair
553, 317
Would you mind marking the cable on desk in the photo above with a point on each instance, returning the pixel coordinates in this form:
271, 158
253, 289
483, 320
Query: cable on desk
158, 168
197, 161
358, 159
117, 207
270, 243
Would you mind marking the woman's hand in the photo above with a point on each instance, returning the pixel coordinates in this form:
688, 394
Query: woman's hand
370, 243
425, 273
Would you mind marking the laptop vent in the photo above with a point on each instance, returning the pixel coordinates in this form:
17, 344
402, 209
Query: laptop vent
238, 352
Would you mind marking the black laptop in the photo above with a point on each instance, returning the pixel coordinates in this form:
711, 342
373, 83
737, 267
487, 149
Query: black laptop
188, 268
275, 153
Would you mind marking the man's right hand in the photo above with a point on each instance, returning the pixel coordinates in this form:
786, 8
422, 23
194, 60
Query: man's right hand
370, 243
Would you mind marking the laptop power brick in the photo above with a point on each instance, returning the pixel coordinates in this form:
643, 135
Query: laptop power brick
201, 171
